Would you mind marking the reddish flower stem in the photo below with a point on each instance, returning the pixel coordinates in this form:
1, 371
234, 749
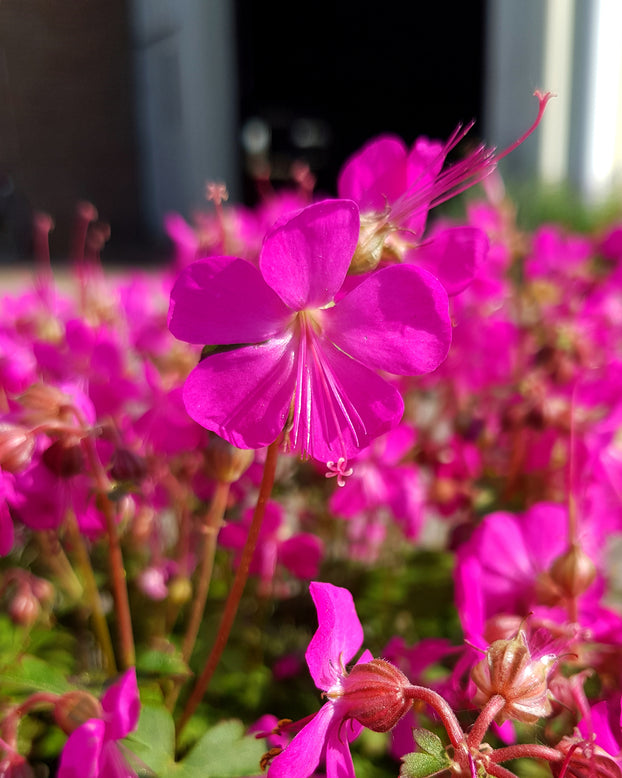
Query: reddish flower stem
499, 772
211, 528
526, 750
442, 710
127, 652
237, 589
10, 722
478, 731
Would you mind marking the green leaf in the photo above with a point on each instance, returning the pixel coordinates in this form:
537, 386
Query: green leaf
162, 663
419, 765
431, 757
222, 752
31, 673
153, 741
225, 751
428, 742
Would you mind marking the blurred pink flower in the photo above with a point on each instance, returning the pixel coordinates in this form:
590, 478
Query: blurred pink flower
92, 751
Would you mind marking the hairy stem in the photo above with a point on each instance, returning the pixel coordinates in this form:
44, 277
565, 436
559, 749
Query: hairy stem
442, 710
494, 705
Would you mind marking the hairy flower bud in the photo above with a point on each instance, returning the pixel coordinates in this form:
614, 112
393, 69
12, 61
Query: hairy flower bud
373, 694
226, 462
510, 671
16, 447
573, 571
74, 708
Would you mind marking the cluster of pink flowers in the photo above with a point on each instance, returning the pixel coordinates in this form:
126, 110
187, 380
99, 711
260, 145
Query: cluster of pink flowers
451, 384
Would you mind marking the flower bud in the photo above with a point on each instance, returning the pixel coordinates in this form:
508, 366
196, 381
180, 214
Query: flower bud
226, 462
573, 571
373, 694
510, 671
180, 590
64, 460
44, 403
42, 590
16, 447
24, 607
127, 466
75, 708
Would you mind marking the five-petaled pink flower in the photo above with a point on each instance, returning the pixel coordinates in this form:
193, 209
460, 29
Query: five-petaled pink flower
306, 356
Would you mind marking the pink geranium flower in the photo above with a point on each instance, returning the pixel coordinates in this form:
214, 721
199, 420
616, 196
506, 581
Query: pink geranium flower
339, 636
304, 358
91, 750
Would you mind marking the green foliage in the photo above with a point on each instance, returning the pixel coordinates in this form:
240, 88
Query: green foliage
222, 752
430, 759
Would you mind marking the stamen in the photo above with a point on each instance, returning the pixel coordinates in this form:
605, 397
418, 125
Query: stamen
216, 191
460, 176
340, 470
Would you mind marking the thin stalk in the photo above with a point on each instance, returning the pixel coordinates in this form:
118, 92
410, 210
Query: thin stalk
56, 561
235, 594
100, 625
127, 653
211, 528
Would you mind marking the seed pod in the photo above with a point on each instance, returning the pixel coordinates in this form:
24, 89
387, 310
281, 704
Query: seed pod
225, 462
510, 671
573, 571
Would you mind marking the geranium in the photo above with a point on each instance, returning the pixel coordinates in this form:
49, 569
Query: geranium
91, 750
304, 359
372, 694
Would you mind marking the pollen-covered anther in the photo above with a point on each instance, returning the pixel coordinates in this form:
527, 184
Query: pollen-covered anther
373, 693
339, 470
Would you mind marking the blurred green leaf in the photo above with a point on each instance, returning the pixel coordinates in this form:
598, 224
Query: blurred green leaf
222, 752
225, 751
31, 673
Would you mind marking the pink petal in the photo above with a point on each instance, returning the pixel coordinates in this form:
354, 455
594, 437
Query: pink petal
376, 175
338, 637
224, 300
80, 756
341, 405
121, 705
338, 756
305, 259
396, 320
453, 256
302, 555
244, 395
303, 754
